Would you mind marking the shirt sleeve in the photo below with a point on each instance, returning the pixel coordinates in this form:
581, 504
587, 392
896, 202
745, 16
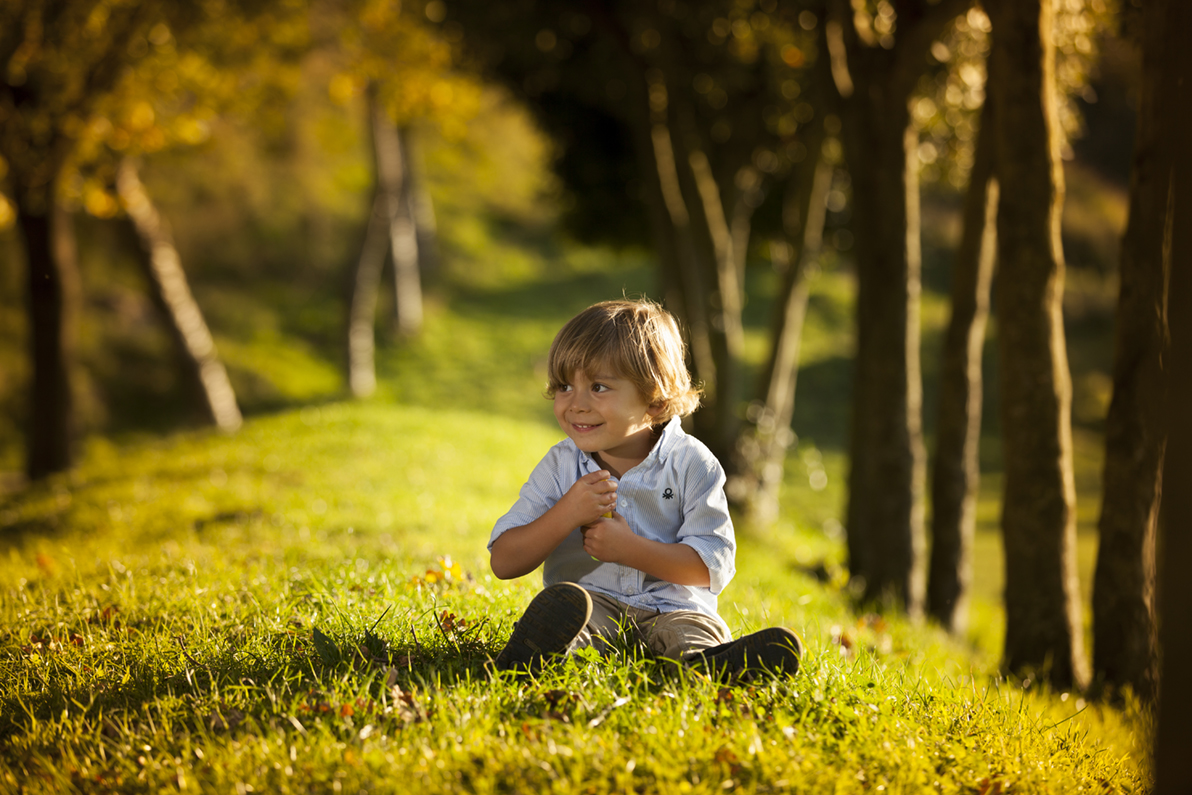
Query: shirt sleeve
537, 496
707, 527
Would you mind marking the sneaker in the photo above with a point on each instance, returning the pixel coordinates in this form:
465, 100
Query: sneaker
776, 650
550, 623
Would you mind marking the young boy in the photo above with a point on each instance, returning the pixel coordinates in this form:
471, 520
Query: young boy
628, 512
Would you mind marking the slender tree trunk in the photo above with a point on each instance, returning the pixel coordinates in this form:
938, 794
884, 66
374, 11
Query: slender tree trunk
390, 231
171, 293
887, 462
422, 208
362, 303
687, 255
720, 301
1124, 641
956, 473
53, 297
1043, 621
403, 235
766, 446
1173, 734
682, 284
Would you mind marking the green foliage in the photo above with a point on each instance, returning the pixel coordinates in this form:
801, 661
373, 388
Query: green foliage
950, 95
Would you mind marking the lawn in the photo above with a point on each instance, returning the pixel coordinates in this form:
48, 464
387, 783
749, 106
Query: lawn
306, 606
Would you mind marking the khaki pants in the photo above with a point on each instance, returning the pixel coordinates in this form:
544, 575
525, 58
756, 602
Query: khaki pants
674, 635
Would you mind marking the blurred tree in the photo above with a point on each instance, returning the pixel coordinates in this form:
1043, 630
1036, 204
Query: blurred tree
1173, 732
955, 145
699, 113
171, 293
956, 469
387, 53
879, 51
1043, 624
60, 59
90, 84
1124, 630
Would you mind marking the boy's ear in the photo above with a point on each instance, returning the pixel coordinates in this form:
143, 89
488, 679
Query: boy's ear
655, 408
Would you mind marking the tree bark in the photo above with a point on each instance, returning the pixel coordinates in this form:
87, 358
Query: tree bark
172, 296
686, 199
956, 472
1173, 734
886, 477
403, 232
1043, 620
362, 303
764, 448
390, 231
720, 300
422, 208
52, 299
1124, 641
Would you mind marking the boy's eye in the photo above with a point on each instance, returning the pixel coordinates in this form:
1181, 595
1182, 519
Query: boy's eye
563, 388
599, 388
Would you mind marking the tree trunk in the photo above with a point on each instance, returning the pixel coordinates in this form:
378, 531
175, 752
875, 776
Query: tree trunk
956, 473
171, 294
885, 503
1043, 620
53, 297
393, 191
362, 303
685, 200
1173, 734
391, 230
720, 300
765, 447
1124, 651
886, 457
422, 208
403, 235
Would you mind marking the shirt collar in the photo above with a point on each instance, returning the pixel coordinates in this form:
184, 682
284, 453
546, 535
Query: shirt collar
666, 440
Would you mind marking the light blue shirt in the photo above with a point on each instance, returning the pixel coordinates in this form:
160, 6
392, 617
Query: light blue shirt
676, 495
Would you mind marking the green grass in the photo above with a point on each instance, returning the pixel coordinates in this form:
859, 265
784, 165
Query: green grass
272, 611
306, 606
258, 611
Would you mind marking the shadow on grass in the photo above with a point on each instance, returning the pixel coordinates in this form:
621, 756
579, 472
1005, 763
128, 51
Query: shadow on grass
293, 676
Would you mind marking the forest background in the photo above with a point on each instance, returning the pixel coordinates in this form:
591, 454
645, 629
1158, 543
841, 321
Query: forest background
260, 137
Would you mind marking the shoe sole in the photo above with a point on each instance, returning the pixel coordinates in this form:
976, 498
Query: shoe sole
552, 620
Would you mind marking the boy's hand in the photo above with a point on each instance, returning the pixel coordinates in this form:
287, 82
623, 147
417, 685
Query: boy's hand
608, 539
590, 497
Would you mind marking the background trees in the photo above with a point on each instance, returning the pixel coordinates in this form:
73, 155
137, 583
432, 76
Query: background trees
880, 58
1124, 651
1038, 522
387, 55
61, 60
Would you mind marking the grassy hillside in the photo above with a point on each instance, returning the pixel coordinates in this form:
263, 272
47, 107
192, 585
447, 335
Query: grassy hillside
306, 606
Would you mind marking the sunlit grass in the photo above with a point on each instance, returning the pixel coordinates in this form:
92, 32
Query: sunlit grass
307, 604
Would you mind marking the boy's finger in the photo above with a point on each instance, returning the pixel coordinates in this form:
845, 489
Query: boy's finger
596, 477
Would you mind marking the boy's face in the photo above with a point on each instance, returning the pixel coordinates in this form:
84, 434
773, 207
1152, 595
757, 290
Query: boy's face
604, 413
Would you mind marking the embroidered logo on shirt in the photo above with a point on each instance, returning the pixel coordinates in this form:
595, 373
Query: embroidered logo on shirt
668, 495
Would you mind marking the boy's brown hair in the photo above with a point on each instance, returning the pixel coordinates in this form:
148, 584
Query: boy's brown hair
639, 341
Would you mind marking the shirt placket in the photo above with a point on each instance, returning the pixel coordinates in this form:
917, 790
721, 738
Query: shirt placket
630, 578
